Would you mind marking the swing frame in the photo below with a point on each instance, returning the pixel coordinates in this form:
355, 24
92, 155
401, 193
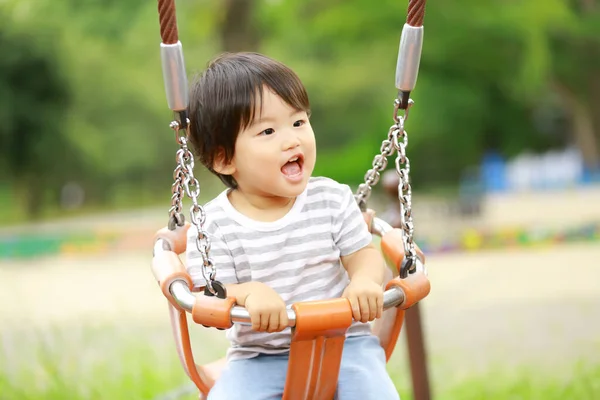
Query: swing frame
318, 327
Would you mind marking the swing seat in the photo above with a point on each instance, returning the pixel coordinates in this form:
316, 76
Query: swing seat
318, 327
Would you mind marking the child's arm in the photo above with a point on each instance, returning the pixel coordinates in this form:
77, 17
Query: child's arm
366, 269
366, 263
265, 306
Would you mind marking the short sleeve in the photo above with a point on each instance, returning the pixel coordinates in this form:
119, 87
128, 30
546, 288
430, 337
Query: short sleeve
350, 231
219, 253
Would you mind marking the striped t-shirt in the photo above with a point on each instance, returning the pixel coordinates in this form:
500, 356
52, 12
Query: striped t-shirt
298, 255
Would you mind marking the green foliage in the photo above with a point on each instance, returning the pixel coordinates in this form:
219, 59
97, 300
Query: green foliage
483, 70
114, 132
88, 88
34, 100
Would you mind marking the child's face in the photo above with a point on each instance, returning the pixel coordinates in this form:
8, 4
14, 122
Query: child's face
275, 156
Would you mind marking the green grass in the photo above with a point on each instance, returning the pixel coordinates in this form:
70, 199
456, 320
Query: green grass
107, 362
581, 381
91, 362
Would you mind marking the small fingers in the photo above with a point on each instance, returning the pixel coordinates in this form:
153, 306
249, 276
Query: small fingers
376, 306
372, 308
283, 320
273, 321
355, 308
365, 311
264, 322
255, 320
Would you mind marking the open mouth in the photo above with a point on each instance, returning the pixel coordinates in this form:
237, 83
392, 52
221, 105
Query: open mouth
293, 167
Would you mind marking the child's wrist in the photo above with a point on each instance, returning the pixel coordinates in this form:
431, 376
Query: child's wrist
244, 290
364, 276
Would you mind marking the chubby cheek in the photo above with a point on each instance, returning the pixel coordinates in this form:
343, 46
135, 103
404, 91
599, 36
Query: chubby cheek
259, 166
250, 161
311, 158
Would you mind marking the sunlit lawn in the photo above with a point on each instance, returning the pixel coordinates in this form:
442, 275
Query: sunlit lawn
125, 363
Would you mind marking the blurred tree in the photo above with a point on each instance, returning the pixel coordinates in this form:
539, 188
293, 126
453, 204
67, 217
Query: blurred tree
118, 119
109, 19
34, 100
494, 75
238, 30
486, 72
577, 77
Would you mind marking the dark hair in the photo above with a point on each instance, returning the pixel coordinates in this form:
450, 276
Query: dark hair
224, 97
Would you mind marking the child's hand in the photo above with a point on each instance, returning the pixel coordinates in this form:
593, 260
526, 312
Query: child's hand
366, 299
267, 309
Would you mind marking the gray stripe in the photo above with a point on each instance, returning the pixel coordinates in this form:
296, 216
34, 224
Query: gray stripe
317, 293
214, 252
263, 339
242, 233
357, 232
331, 190
244, 275
312, 255
276, 247
303, 280
242, 265
237, 252
222, 277
322, 205
295, 289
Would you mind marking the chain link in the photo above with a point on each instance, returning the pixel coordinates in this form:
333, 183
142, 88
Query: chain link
379, 164
177, 191
396, 141
404, 188
186, 182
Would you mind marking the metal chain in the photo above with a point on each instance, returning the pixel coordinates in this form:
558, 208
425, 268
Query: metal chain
185, 181
404, 189
372, 176
396, 141
175, 216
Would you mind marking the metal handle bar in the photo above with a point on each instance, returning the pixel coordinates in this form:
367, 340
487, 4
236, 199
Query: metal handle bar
239, 315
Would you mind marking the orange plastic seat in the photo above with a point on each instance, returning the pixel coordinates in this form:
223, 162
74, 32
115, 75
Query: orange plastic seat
316, 343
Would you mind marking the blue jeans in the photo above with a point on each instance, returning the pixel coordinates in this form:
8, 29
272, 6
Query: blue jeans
363, 375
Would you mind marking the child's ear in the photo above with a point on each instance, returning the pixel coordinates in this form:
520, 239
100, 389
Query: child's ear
222, 167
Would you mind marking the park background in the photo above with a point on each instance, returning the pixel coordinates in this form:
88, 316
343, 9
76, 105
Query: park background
504, 143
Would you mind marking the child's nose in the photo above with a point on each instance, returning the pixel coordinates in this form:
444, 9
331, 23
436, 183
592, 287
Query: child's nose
291, 141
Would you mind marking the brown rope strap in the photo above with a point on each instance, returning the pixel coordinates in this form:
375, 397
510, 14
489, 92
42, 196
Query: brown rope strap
168, 21
416, 13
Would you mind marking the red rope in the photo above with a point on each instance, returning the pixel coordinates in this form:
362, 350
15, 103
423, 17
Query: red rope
168, 21
416, 13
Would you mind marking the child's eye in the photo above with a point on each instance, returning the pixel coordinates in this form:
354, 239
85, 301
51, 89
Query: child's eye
268, 131
298, 123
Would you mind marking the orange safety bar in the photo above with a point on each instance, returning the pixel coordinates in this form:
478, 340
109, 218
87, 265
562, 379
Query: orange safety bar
317, 342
